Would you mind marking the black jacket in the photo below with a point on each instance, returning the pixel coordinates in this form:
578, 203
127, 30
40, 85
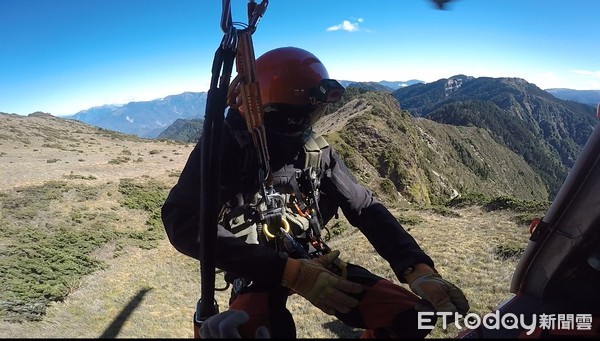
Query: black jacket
259, 263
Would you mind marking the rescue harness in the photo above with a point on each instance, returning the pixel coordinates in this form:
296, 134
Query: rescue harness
281, 221
299, 233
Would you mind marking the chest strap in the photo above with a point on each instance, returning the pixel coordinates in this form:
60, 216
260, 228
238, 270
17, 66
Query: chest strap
312, 150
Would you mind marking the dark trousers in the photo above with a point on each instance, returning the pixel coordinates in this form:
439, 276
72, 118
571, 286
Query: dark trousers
385, 309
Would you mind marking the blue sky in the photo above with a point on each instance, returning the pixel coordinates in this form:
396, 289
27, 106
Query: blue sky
63, 56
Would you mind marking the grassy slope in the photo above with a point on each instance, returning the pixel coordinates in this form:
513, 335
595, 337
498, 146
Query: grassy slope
462, 247
158, 287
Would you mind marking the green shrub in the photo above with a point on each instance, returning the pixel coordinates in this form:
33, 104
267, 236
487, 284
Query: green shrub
508, 203
337, 228
409, 220
510, 250
147, 196
468, 199
45, 251
443, 210
388, 187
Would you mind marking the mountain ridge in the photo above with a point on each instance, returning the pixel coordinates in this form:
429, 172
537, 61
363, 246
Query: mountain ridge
547, 131
415, 159
149, 118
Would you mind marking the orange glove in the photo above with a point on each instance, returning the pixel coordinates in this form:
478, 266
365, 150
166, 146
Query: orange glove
324, 289
443, 295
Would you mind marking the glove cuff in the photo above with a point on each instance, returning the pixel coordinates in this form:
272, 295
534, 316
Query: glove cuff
419, 270
290, 273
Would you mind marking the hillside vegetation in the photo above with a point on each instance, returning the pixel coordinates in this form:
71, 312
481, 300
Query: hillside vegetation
546, 131
421, 161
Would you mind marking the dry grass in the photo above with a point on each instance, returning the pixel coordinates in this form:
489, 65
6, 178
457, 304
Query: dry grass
462, 247
80, 153
152, 293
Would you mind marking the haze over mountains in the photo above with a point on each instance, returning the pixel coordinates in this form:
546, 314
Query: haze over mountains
150, 118
145, 119
388, 85
590, 97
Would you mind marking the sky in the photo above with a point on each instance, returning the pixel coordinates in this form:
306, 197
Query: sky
64, 56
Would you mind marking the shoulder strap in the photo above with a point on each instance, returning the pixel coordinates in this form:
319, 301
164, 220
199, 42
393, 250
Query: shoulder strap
312, 150
236, 125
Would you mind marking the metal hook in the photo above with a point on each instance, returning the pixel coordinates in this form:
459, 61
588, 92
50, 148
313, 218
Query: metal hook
229, 40
258, 12
226, 21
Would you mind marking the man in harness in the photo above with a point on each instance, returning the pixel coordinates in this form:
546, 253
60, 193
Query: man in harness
268, 262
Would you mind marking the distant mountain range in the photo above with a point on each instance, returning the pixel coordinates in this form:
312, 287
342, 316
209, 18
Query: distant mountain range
545, 131
151, 118
427, 142
387, 85
145, 119
590, 97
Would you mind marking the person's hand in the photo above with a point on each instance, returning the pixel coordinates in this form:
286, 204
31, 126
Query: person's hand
324, 289
443, 295
225, 326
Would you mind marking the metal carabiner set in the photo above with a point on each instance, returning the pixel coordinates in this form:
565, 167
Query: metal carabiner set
210, 177
244, 92
255, 12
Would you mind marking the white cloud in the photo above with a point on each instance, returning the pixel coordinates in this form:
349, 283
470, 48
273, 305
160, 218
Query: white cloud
346, 25
595, 74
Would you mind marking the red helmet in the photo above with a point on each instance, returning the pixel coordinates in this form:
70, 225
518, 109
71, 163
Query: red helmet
293, 81
286, 76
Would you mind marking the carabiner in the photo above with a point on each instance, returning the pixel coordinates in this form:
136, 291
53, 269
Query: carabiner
229, 40
284, 224
226, 21
258, 11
